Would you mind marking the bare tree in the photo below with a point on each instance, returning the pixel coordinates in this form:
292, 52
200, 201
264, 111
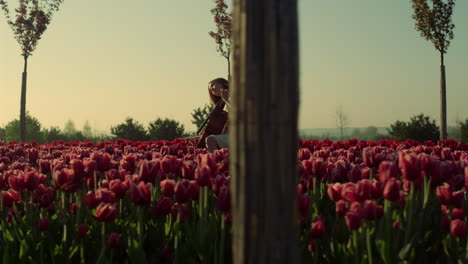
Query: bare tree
263, 132
342, 121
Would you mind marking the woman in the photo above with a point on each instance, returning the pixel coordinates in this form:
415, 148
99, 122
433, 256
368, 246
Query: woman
218, 90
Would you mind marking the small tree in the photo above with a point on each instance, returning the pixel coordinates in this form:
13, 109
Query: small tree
166, 129
52, 134
342, 121
2, 133
419, 128
32, 19
199, 115
464, 131
222, 36
32, 125
87, 131
434, 22
130, 129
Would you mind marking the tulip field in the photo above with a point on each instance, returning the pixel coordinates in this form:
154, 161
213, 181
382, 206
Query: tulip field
168, 202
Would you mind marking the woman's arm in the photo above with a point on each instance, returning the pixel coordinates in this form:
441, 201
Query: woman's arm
225, 97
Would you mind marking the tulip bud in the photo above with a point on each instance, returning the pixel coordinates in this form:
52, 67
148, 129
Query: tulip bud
312, 246
114, 240
82, 231
43, 224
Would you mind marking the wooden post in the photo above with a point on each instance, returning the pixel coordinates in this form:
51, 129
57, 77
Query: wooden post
263, 131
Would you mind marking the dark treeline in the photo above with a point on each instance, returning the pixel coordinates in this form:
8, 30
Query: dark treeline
419, 127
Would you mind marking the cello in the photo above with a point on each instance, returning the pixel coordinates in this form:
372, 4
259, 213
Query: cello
215, 123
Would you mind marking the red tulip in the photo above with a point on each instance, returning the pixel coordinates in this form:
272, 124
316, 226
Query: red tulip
203, 175
353, 220
396, 224
228, 218
391, 190
43, 224
166, 255
458, 198
334, 191
114, 240
118, 187
317, 228
33, 178
10, 197
368, 157
312, 246
106, 212
167, 187
78, 168
341, 208
182, 210
195, 190
224, 199
44, 195
409, 165
444, 194
90, 200
163, 207
365, 173
354, 175
387, 170
105, 196
150, 171
458, 213
188, 169
17, 182
458, 228
74, 208
82, 231
66, 180
140, 194
364, 189
183, 192
348, 192
44, 165
370, 211
377, 190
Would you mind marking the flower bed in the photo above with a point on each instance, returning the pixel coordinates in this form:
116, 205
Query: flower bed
358, 201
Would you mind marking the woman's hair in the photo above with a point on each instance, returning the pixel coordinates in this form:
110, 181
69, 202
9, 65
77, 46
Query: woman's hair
215, 99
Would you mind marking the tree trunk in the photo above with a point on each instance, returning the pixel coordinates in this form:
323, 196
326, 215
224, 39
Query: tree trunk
263, 131
229, 70
23, 102
443, 100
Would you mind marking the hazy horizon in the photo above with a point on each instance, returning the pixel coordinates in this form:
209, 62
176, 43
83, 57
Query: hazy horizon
103, 61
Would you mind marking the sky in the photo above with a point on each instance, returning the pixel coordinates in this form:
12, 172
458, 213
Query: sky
102, 61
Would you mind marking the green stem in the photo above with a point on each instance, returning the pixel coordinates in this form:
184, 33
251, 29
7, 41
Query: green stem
409, 213
82, 255
356, 246
368, 242
223, 237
